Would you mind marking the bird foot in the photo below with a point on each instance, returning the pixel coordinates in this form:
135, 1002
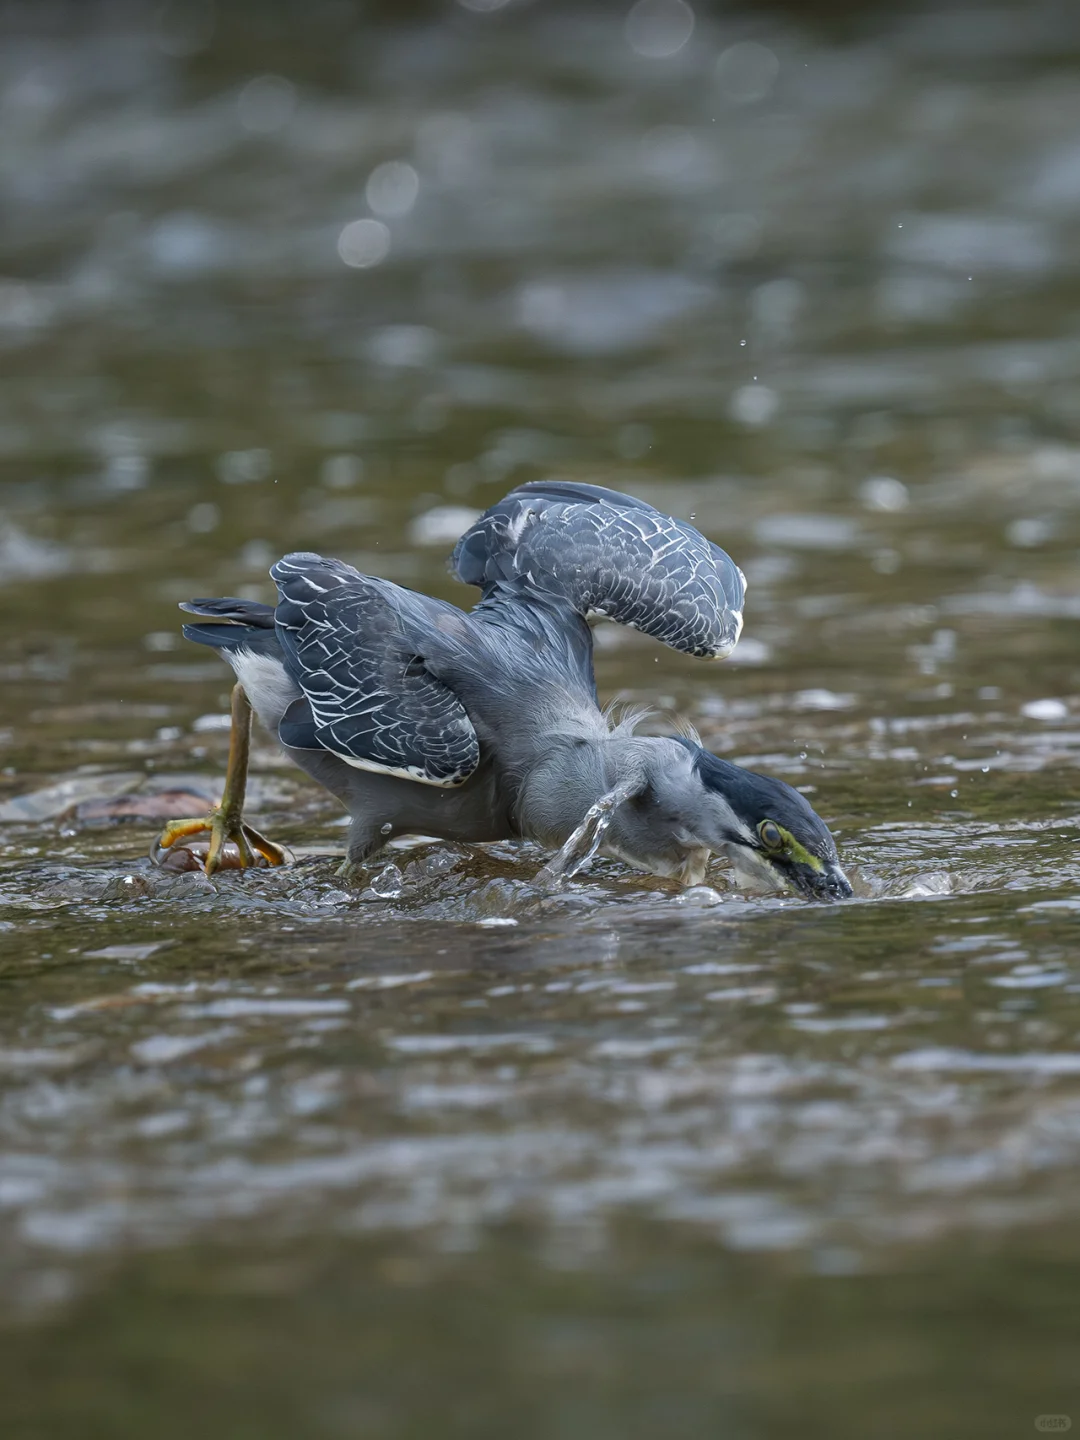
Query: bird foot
247, 848
234, 844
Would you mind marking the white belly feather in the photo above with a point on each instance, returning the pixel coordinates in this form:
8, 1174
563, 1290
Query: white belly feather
268, 687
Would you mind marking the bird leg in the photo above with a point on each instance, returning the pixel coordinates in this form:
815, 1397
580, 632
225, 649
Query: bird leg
586, 840
226, 821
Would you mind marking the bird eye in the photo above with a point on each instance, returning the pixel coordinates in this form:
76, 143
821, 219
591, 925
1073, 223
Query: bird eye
771, 835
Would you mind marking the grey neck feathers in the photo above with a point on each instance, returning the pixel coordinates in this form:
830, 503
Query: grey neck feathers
571, 773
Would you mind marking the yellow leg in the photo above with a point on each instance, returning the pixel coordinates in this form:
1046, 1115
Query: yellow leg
226, 821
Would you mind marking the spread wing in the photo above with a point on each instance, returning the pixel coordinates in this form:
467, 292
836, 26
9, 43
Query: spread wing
367, 695
608, 554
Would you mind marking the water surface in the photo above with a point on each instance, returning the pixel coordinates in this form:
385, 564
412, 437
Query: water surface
283, 1158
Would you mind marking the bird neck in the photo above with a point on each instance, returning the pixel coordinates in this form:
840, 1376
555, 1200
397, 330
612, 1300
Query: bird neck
522, 668
569, 774
546, 639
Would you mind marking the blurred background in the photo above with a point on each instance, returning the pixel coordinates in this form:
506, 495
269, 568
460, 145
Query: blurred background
276, 1159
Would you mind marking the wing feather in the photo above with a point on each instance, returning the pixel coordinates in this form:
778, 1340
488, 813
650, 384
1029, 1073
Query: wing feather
608, 554
368, 696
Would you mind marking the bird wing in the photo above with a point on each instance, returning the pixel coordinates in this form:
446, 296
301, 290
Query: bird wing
350, 643
609, 554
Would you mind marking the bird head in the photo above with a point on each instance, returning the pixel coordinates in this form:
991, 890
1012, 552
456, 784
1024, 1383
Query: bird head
764, 826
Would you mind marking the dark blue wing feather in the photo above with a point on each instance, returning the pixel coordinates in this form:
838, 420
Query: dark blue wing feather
232, 624
350, 643
229, 610
609, 554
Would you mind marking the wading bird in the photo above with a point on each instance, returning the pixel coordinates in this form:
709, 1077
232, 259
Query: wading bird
481, 726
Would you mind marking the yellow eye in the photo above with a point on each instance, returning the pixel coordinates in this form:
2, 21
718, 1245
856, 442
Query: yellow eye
771, 835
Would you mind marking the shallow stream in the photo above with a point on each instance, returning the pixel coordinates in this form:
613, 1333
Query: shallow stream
450, 1155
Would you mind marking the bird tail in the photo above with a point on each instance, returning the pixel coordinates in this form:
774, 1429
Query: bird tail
232, 624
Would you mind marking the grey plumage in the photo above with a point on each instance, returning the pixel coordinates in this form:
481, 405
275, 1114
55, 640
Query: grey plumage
608, 554
486, 725
353, 645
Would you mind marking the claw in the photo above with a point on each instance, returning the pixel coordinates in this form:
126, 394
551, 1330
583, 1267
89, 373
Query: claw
225, 823
271, 852
254, 849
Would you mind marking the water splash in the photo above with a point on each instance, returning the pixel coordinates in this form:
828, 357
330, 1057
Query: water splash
582, 846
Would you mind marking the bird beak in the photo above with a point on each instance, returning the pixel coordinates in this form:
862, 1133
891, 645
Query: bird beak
828, 884
754, 866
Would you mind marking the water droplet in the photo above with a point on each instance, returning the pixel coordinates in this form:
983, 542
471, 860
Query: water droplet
753, 404
884, 492
954, 793
363, 243
388, 884
392, 189
656, 29
385, 829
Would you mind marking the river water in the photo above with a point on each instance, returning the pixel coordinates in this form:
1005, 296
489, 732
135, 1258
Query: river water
453, 1156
